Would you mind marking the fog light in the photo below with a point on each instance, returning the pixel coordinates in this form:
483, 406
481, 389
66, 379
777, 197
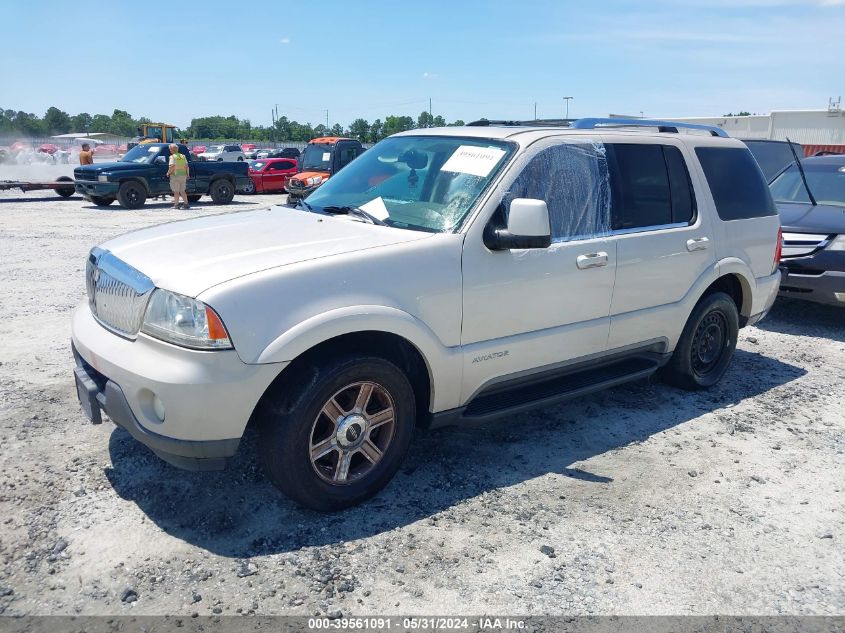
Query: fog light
840, 296
158, 407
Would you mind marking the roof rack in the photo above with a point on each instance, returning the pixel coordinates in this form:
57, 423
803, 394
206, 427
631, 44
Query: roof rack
531, 123
662, 126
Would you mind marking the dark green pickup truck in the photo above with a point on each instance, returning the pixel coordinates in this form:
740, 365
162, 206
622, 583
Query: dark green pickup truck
142, 172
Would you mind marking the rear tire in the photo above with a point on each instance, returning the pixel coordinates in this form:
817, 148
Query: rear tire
222, 191
320, 447
706, 346
101, 202
132, 195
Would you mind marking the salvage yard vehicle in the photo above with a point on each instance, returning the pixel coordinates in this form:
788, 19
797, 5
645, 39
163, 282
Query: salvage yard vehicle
222, 153
810, 196
448, 275
153, 133
322, 158
142, 172
272, 174
773, 156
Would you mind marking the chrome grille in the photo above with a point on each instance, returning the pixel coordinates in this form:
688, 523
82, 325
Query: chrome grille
117, 293
798, 244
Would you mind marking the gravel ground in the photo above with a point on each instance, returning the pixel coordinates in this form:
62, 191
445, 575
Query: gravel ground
639, 500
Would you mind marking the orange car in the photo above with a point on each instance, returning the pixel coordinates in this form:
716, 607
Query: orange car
322, 157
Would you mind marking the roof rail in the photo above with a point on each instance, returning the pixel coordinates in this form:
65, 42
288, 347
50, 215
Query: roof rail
662, 126
531, 123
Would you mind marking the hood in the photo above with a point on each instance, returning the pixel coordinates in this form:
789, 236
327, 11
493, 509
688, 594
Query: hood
305, 175
803, 217
191, 256
115, 166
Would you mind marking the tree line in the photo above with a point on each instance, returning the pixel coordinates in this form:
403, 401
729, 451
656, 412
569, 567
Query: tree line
121, 123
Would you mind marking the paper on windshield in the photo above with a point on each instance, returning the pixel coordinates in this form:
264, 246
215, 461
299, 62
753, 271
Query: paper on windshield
376, 208
153, 148
477, 161
327, 156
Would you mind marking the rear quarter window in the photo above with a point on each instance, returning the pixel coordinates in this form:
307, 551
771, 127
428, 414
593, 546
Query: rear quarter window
736, 182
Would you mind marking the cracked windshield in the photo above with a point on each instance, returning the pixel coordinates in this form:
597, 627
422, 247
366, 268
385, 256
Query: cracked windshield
422, 183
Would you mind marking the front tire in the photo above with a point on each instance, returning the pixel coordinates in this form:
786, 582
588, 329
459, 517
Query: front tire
706, 346
222, 191
101, 201
192, 197
336, 436
249, 189
132, 195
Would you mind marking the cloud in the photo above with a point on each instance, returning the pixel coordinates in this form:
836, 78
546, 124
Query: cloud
430, 75
285, 40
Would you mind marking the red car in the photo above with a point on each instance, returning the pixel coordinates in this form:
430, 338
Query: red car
270, 174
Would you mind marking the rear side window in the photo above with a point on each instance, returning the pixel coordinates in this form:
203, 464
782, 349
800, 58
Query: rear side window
651, 186
736, 182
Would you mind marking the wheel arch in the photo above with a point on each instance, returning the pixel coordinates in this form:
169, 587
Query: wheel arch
387, 345
376, 328
139, 179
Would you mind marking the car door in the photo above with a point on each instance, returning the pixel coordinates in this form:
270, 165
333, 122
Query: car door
531, 309
158, 179
273, 177
287, 168
663, 245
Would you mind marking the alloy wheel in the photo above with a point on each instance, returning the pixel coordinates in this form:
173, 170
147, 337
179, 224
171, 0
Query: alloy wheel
352, 432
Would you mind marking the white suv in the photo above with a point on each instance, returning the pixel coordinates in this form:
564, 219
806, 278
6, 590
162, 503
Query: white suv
445, 275
218, 153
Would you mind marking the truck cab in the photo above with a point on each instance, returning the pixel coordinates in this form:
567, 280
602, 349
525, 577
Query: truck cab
323, 157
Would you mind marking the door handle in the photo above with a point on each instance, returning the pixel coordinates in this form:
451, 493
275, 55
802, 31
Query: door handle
698, 244
591, 260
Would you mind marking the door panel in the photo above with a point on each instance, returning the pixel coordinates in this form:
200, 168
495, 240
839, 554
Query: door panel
663, 244
527, 309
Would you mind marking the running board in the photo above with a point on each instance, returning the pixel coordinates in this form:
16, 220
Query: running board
551, 390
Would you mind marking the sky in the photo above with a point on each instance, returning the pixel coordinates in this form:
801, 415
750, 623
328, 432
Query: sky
175, 60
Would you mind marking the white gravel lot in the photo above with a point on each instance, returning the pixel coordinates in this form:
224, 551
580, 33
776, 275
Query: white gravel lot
639, 500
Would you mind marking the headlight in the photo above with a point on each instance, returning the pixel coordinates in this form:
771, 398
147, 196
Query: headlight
184, 321
103, 177
313, 180
838, 243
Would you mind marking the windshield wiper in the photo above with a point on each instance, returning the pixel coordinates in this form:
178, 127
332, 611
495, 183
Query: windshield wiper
304, 204
356, 211
801, 171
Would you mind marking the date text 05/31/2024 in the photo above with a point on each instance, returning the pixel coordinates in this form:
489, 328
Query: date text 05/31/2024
416, 624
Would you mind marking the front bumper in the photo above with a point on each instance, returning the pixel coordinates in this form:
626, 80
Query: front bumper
298, 193
90, 188
208, 397
826, 287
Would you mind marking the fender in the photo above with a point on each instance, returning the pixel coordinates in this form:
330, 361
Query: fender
735, 266
443, 363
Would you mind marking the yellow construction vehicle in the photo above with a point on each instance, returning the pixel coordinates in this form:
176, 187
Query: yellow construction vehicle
153, 133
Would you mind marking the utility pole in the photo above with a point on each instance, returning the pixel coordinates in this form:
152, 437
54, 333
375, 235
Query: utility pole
535, 110
327, 121
430, 117
273, 128
567, 100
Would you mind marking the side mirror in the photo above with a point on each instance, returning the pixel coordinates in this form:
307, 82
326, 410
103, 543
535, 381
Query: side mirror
160, 160
528, 227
